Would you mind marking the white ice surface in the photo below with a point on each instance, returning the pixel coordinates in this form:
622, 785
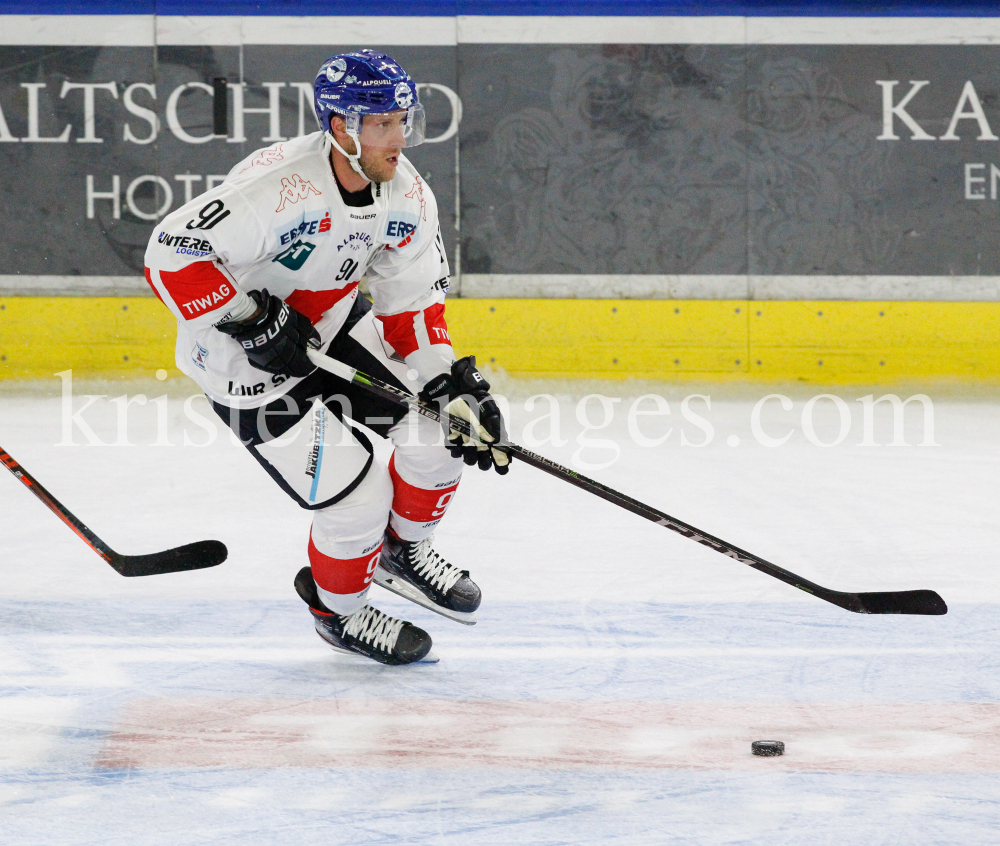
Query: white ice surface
608, 694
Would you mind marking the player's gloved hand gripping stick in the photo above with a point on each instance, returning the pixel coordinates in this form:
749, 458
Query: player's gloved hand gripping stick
880, 602
452, 392
194, 556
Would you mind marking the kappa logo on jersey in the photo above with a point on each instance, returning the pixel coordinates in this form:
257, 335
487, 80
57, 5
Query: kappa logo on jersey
199, 355
267, 157
295, 189
295, 256
311, 223
417, 193
186, 245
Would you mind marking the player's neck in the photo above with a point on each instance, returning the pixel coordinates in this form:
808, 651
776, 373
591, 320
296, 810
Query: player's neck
352, 182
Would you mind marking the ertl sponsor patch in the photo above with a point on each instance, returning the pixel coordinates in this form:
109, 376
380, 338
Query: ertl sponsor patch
399, 226
310, 223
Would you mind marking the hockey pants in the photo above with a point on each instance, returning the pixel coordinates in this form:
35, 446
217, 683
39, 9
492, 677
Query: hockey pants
307, 442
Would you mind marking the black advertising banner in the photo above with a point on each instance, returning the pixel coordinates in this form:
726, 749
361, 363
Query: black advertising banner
573, 158
101, 142
659, 159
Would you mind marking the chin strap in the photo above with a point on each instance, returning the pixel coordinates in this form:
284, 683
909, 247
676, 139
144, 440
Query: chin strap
353, 159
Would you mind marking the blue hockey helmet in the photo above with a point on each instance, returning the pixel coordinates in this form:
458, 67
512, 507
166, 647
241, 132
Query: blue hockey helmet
352, 85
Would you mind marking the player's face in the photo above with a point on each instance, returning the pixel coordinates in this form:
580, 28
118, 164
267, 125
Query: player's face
382, 141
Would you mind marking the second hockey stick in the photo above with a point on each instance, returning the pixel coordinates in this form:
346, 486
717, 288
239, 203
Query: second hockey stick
877, 602
193, 556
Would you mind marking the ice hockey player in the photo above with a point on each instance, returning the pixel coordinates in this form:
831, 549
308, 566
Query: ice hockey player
266, 265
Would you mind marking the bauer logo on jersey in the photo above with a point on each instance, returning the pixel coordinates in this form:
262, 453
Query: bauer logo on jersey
311, 223
398, 227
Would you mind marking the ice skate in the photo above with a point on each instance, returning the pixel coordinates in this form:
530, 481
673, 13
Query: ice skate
367, 632
414, 570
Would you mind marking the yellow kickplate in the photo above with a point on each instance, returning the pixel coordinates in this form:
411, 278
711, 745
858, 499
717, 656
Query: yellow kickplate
827, 342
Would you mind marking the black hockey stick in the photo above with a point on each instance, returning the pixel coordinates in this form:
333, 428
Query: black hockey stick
879, 602
194, 556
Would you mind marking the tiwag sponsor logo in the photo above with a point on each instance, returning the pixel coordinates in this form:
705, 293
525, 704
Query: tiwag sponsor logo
212, 300
186, 245
198, 288
311, 223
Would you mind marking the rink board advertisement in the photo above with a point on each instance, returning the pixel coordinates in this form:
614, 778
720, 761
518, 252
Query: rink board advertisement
568, 159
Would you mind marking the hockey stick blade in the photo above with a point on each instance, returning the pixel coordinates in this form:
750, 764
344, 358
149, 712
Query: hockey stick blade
898, 602
193, 556
889, 602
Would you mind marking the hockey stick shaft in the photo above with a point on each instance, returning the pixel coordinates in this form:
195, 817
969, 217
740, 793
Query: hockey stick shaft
194, 556
890, 602
57, 508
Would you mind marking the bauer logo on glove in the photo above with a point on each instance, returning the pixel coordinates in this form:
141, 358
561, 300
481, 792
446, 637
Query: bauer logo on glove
464, 394
276, 338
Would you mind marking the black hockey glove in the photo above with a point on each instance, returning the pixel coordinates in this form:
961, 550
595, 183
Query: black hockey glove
465, 394
276, 339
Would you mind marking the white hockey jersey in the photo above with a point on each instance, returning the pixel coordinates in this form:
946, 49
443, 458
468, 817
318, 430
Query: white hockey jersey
279, 222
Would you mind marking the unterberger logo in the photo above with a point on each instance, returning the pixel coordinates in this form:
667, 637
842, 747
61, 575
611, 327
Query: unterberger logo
311, 223
186, 245
295, 189
295, 256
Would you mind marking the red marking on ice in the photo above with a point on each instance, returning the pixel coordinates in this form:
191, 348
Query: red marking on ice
265, 733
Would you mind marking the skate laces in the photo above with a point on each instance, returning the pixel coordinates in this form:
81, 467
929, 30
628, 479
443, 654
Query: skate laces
427, 563
372, 626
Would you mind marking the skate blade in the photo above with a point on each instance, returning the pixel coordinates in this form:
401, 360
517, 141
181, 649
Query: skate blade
407, 591
429, 658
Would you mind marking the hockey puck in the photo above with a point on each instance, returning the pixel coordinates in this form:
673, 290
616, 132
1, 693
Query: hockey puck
767, 748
